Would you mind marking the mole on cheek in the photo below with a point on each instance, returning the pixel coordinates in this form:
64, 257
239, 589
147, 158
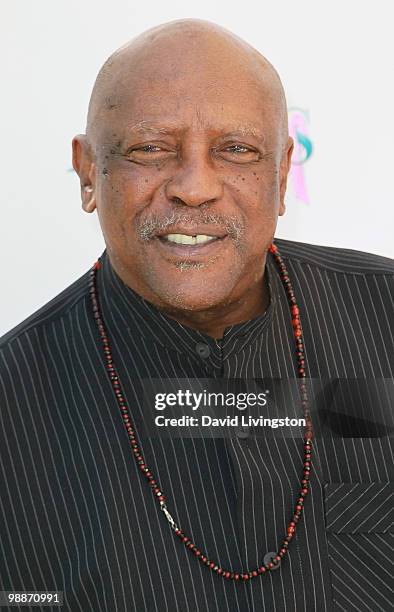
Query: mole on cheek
115, 149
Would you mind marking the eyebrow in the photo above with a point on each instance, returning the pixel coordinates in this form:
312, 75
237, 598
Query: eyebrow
147, 126
240, 130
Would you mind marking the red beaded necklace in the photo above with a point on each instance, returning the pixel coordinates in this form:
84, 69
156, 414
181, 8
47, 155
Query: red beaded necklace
271, 560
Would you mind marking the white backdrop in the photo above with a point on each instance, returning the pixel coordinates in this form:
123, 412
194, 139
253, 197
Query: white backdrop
336, 63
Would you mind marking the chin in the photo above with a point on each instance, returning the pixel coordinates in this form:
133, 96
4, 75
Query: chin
192, 301
190, 289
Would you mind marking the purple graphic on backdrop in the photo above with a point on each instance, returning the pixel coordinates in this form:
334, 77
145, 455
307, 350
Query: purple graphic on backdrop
299, 131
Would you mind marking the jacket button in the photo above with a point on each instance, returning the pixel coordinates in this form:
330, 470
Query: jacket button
242, 432
203, 349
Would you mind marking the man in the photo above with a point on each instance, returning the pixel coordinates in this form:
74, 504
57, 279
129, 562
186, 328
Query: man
185, 159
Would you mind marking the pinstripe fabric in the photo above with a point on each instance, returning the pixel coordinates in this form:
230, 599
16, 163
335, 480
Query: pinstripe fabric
78, 517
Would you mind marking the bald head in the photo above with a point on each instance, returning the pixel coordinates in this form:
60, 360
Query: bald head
188, 50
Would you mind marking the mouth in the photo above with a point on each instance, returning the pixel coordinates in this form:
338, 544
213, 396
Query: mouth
188, 244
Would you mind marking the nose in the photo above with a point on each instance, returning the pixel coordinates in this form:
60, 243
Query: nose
195, 182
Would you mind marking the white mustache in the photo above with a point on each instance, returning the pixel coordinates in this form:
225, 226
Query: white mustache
152, 224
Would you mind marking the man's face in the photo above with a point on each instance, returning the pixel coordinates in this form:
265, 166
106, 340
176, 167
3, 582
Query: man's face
183, 155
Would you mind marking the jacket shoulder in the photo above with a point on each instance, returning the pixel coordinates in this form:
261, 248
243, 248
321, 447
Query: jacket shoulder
54, 309
348, 261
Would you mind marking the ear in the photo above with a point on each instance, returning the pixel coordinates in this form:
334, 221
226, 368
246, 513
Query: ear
84, 166
285, 166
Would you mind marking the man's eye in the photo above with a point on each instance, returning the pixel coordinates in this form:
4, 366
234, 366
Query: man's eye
239, 149
147, 149
148, 153
239, 153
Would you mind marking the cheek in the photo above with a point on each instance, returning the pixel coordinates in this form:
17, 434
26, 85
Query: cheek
257, 197
123, 194
260, 207
266, 186
128, 184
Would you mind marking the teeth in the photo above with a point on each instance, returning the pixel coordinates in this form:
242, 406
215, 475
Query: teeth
184, 239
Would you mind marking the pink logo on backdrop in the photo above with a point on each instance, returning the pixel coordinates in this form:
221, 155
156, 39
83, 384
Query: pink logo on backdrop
299, 131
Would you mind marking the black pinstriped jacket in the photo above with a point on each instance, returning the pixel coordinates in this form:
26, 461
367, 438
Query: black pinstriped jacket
76, 513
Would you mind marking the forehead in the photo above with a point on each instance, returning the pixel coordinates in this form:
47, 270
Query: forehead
189, 91
178, 109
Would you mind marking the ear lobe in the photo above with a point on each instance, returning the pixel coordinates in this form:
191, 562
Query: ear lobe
282, 209
88, 198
